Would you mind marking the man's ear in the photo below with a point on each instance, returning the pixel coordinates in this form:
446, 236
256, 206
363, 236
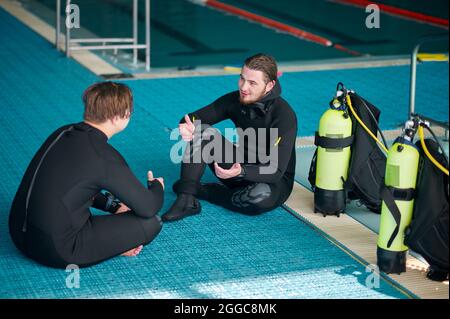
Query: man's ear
270, 86
114, 120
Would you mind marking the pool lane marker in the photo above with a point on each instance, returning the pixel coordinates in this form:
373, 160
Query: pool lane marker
299, 33
402, 13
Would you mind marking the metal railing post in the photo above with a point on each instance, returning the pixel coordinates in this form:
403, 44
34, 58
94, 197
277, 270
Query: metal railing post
147, 35
67, 11
135, 30
58, 23
412, 90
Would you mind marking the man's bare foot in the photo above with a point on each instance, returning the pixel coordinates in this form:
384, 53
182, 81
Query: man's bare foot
133, 252
123, 209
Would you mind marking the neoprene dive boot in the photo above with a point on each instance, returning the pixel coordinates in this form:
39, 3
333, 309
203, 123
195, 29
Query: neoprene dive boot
185, 205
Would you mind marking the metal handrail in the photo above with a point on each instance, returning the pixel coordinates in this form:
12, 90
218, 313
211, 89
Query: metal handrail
412, 96
412, 92
108, 47
104, 40
72, 44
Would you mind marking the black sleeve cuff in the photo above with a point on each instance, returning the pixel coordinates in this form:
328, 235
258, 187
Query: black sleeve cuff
99, 201
242, 175
154, 185
106, 202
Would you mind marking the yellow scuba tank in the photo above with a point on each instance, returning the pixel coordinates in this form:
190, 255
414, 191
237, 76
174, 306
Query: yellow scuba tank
333, 142
398, 202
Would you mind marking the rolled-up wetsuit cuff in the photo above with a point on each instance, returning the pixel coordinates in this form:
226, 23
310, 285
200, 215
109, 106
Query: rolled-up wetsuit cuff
187, 187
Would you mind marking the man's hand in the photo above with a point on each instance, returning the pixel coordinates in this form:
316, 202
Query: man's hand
187, 129
150, 178
222, 173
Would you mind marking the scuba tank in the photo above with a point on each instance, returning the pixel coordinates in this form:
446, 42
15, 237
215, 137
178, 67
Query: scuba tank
347, 163
415, 210
398, 201
333, 142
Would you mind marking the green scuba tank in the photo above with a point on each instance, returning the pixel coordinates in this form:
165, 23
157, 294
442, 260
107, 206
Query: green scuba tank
397, 206
333, 142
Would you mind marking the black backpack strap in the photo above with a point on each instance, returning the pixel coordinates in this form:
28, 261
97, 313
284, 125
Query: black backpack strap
390, 195
312, 171
406, 194
328, 142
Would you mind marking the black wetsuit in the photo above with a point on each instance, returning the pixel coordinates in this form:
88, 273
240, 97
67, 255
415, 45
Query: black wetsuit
252, 192
66, 177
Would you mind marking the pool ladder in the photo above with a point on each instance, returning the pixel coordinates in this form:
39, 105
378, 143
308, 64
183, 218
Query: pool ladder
107, 43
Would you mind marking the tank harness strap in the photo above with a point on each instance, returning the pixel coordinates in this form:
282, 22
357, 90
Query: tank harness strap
389, 195
328, 142
312, 171
405, 194
24, 226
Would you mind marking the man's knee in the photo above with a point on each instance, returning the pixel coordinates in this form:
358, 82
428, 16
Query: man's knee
152, 227
254, 199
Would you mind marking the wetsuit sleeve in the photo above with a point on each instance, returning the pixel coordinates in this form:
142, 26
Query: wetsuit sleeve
213, 113
275, 169
144, 202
